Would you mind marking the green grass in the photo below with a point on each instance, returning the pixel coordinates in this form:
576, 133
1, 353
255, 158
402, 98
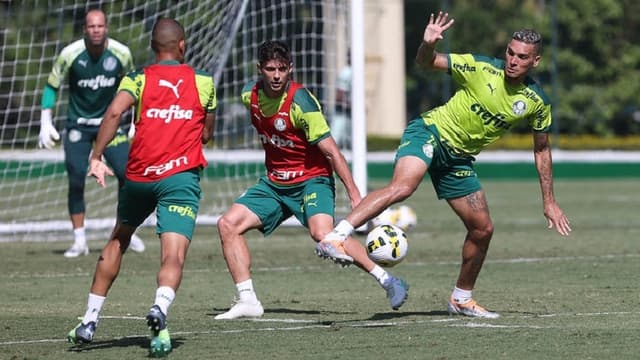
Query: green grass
560, 297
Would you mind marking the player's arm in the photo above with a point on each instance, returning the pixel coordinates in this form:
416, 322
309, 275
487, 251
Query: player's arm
110, 123
209, 125
48, 134
427, 57
330, 150
542, 154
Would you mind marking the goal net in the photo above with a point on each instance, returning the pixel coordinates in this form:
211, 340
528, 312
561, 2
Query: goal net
222, 38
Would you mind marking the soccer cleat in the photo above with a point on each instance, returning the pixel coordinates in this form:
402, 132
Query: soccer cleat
334, 250
82, 334
242, 309
76, 250
397, 291
470, 308
160, 340
136, 244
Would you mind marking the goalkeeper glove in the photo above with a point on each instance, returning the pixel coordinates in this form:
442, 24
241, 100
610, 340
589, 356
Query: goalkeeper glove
48, 133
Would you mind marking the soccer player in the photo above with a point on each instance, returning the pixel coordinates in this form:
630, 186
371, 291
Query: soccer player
93, 67
300, 158
175, 116
494, 95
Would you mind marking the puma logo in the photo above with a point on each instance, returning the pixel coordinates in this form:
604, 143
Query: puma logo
173, 88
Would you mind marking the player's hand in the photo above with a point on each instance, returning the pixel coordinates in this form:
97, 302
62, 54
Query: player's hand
556, 218
98, 170
436, 26
48, 133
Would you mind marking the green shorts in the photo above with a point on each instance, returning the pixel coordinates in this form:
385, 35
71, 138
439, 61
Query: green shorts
274, 203
452, 175
176, 200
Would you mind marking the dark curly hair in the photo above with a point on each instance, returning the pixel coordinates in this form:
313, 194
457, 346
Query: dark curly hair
274, 50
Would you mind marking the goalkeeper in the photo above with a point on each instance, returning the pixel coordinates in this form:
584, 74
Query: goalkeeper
93, 67
494, 95
300, 157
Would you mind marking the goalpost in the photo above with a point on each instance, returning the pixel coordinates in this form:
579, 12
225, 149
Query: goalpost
223, 36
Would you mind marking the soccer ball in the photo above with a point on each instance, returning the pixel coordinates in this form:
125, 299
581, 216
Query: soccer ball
406, 218
387, 245
388, 217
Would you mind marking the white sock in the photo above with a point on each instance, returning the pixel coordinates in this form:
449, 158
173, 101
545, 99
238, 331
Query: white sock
79, 236
246, 292
164, 298
344, 228
461, 296
380, 274
94, 306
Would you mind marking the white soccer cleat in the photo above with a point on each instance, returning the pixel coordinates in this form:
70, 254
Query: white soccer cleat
333, 250
136, 244
76, 250
242, 309
470, 308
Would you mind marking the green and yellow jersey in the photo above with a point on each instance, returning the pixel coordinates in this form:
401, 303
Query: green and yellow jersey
486, 106
92, 82
306, 113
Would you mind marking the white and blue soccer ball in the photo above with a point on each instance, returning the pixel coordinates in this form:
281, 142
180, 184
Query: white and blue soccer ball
387, 245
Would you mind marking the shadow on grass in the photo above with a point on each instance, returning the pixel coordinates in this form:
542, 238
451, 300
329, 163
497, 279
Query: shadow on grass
217, 311
129, 341
400, 314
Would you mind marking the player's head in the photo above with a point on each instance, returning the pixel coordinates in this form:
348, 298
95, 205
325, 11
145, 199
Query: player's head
168, 38
95, 27
275, 66
522, 54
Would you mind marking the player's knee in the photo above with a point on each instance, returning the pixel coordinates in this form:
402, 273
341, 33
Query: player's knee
483, 232
226, 227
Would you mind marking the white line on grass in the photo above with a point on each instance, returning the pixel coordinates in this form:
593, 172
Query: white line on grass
23, 275
313, 324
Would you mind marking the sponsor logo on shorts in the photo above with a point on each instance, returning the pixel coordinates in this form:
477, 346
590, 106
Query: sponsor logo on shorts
182, 211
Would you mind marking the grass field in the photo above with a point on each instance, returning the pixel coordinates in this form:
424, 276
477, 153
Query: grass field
560, 298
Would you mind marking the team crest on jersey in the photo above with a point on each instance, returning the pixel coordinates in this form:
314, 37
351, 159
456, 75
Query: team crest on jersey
280, 124
427, 149
519, 107
110, 63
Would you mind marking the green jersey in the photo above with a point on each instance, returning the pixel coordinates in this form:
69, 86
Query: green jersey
486, 106
306, 113
92, 82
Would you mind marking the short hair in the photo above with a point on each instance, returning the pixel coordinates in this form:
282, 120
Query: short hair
98, 10
274, 50
529, 36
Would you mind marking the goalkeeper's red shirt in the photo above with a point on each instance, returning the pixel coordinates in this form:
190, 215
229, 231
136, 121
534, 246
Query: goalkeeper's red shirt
169, 125
289, 157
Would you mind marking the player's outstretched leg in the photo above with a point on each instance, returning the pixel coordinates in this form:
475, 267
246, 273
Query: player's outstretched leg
160, 339
82, 333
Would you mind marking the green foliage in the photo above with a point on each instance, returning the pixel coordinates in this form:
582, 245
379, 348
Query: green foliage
597, 56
